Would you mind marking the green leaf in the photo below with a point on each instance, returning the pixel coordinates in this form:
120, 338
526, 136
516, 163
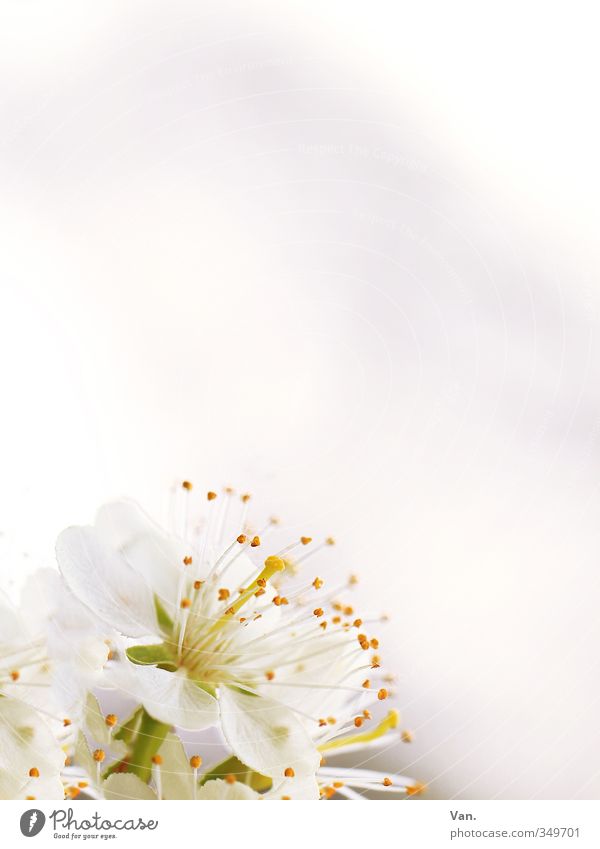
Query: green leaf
162, 617
127, 730
243, 773
155, 655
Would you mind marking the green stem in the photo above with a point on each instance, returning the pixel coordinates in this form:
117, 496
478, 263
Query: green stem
149, 737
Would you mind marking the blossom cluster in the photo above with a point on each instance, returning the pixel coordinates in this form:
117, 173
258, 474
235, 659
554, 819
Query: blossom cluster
192, 630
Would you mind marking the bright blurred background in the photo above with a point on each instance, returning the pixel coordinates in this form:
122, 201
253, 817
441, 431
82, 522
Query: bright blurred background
342, 255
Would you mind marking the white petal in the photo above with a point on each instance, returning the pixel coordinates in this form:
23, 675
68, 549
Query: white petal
149, 551
126, 785
176, 774
170, 696
101, 578
219, 790
266, 736
298, 788
26, 742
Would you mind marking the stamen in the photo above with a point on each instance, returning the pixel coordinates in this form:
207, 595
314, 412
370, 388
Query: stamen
289, 772
416, 788
317, 583
407, 736
195, 763
230, 778
382, 694
15, 675
34, 772
187, 485
156, 771
111, 720
387, 782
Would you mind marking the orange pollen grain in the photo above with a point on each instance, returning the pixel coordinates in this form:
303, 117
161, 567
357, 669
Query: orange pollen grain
261, 582
322, 722
366, 684
198, 584
331, 720
66, 722
110, 719
241, 539
99, 755
187, 560
82, 784
357, 623
336, 620
157, 759
374, 643
366, 714
72, 792
34, 772
277, 600
269, 675
230, 779
185, 603
338, 784
224, 594
245, 498
317, 583
15, 675
230, 611
286, 798
322, 625
387, 782
210, 496
259, 592
187, 485
407, 737
305, 540
289, 772
329, 541
382, 694
195, 761
348, 611
68, 761
255, 542
318, 611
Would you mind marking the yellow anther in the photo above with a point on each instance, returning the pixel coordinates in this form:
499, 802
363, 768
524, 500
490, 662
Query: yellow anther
329, 541
187, 560
195, 761
348, 611
34, 772
376, 659
336, 620
224, 594
352, 580
187, 485
366, 684
111, 720
337, 784
68, 761
382, 694
82, 784
269, 675
305, 540
366, 714
387, 782
323, 625
72, 792
322, 722
331, 720
245, 498
318, 611
277, 600
66, 722
261, 582
230, 611
255, 542
157, 759
416, 788
289, 772
242, 539
15, 675
98, 755
185, 603
259, 592
357, 623
358, 721
230, 779
198, 584
210, 496
407, 736
317, 583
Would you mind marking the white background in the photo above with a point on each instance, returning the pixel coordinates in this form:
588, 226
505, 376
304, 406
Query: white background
341, 255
